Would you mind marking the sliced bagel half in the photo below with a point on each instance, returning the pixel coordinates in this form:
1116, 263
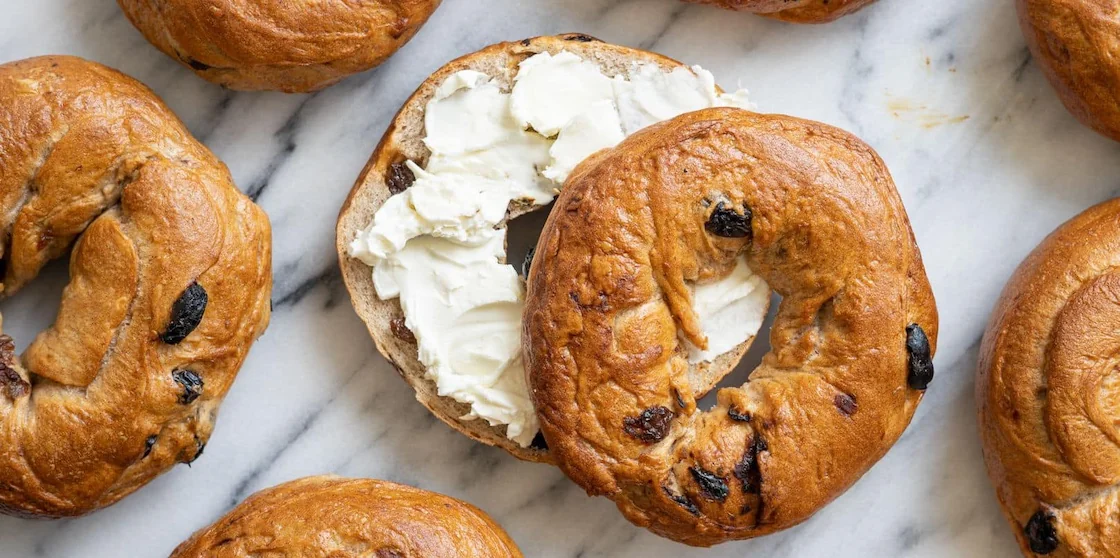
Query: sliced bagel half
385, 174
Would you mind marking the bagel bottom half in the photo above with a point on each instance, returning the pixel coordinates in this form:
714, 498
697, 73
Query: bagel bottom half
383, 177
1048, 391
333, 517
818, 217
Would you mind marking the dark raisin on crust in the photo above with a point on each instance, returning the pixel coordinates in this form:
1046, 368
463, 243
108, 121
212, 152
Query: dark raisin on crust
399, 178
1041, 535
650, 426
728, 223
539, 442
11, 382
581, 38
401, 331
747, 470
737, 415
527, 264
192, 385
200, 447
712, 486
846, 404
920, 362
196, 65
186, 314
148, 445
683, 501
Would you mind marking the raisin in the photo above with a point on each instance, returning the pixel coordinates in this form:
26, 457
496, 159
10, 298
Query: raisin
920, 361
747, 470
1041, 535
399, 178
713, 486
683, 501
737, 415
650, 426
527, 264
192, 385
12, 383
539, 442
148, 445
401, 331
200, 447
580, 37
198, 66
728, 223
186, 314
845, 403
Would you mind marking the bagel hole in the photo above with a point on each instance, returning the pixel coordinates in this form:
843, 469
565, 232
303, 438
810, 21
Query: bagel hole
522, 234
753, 357
35, 307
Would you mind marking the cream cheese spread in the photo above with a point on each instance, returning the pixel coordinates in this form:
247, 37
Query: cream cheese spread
439, 246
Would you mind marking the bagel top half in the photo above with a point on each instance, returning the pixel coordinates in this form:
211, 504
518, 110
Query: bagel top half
1077, 45
794, 11
280, 45
817, 215
333, 517
170, 276
382, 178
1048, 391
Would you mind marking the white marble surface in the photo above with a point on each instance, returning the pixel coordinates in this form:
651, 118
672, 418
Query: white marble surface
986, 159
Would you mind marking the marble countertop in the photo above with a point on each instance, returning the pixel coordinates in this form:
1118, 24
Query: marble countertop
986, 159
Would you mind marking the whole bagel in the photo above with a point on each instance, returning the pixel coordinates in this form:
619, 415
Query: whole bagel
795, 11
332, 517
277, 44
1048, 391
1077, 45
608, 303
169, 285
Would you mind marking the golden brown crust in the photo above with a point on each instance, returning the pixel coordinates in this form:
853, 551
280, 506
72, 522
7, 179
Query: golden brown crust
608, 302
1048, 390
1077, 45
100, 404
794, 11
275, 44
403, 141
332, 517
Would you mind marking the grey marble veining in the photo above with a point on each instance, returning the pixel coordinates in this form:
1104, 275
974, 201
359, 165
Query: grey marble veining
986, 160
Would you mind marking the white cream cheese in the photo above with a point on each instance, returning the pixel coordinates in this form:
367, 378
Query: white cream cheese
439, 246
731, 310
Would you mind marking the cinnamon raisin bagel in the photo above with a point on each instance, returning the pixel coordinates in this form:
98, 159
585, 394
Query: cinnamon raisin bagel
294, 47
795, 11
1077, 45
817, 215
170, 277
1048, 391
348, 518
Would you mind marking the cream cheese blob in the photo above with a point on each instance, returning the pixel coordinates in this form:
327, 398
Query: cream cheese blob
439, 246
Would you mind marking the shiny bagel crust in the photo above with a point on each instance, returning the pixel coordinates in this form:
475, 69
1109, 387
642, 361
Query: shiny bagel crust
333, 517
1077, 45
295, 47
1048, 391
608, 303
170, 277
794, 11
